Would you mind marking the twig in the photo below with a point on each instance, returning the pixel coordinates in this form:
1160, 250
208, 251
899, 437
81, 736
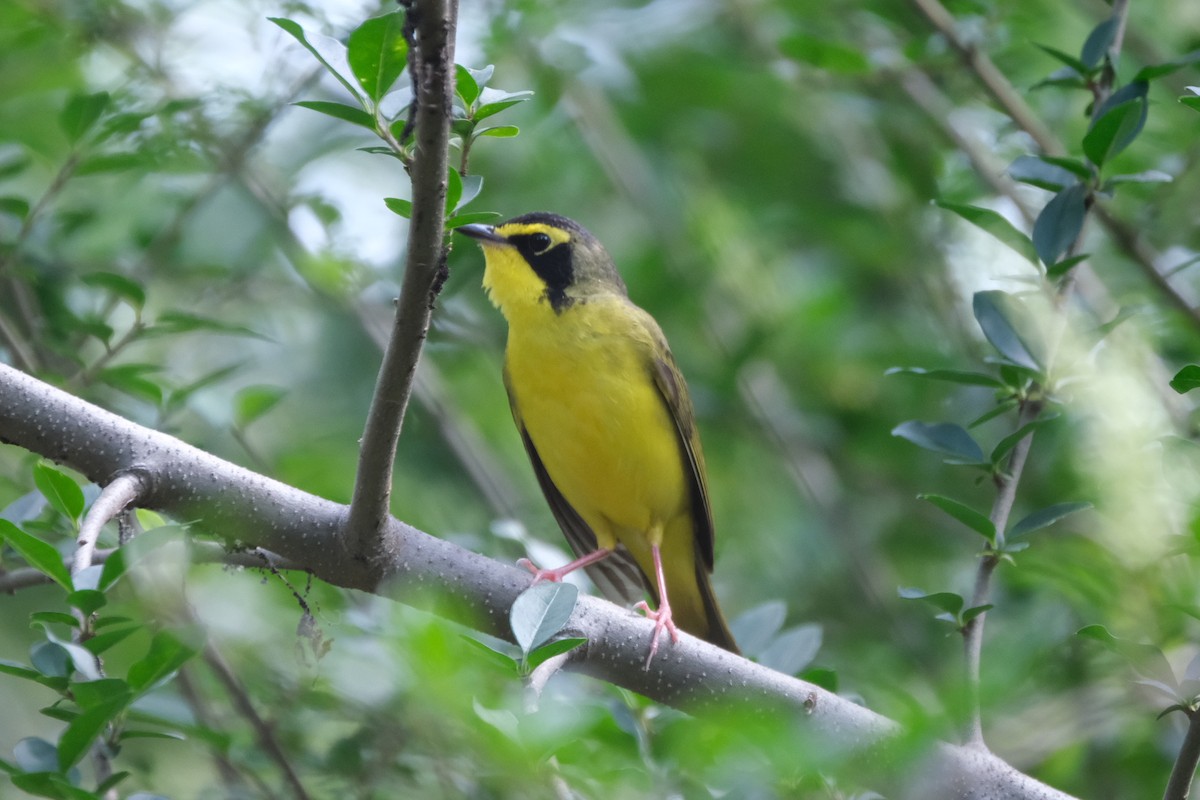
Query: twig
423, 276
231, 778
535, 684
123, 490
262, 731
1180, 784
1010, 100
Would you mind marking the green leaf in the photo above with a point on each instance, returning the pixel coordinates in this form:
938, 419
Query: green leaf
39, 554
399, 206
54, 618
1063, 267
793, 650
81, 113
965, 514
540, 612
949, 375
1044, 518
458, 220
84, 729
14, 206
822, 53
994, 223
378, 53
1186, 379
1149, 73
755, 628
506, 661
499, 131
941, 437
1076, 66
60, 490
183, 322
36, 755
50, 660
130, 378
548, 651
20, 671
1095, 48
1001, 408
92, 694
1117, 122
331, 53
114, 162
88, 601
1191, 101
994, 312
949, 602
1009, 442
493, 102
340, 111
1042, 174
106, 640
129, 290
824, 677
168, 652
253, 402
83, 661
465, 85
1059, 223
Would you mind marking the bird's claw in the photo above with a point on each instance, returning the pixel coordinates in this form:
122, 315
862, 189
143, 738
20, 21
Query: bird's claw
539, 574
662, 621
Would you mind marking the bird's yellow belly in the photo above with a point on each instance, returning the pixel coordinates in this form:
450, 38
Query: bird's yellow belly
602, 430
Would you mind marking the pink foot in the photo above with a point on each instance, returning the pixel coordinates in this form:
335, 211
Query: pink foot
662, 621
539, 574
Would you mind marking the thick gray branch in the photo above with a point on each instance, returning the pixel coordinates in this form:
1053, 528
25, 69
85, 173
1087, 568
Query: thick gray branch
466, 587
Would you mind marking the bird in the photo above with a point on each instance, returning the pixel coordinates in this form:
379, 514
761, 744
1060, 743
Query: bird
607, 422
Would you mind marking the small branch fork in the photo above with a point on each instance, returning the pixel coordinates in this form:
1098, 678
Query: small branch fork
432, 63
121, 493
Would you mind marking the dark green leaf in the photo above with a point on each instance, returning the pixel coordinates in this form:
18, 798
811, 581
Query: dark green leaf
454, 190
1038, 172
83, 661
994, 223
340, 111
540, 612
111, 780
974, 611
1063, 267
81, 113
39, 554
1098, 42
13, 161
994, 312
399, 206
130, 378
1192, 100
91, 694
458, 220
54, 618
173, 736
824, 677
101, 642
548, 651
113, 162
1186, 379
465, 85
941, 437
19, 670
88, 601
129, 290
60, 490
1153, 71
1007, 405
949, 375
1058, 225
506, 661
14, 206
1116, 123
949, 602
378, 53
499, 131
1076, 66
968, 516
502, 100
1045, 517
1009, 442
183, 322
823, 53
50, 660
84, 729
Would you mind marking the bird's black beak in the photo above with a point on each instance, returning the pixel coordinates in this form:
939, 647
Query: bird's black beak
484, 233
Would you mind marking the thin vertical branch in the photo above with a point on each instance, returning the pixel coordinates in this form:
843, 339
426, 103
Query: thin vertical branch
1179, 786
432, 62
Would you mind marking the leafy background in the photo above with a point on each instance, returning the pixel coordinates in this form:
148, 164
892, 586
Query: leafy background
764, 174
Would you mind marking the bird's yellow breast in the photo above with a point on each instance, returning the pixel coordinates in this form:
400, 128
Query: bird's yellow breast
583, 385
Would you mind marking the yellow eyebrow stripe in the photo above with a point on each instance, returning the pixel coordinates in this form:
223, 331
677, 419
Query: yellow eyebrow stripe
557, 235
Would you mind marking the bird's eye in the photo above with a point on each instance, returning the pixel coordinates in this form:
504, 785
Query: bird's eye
541, 242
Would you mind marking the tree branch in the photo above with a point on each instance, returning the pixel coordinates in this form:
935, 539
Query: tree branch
433, 63
1180, 784
420, 570
116, 496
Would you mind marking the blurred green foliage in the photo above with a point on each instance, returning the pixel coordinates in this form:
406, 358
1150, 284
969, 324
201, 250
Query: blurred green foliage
783, 185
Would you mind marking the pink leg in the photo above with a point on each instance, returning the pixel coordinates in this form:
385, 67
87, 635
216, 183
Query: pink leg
556, 575
662, 617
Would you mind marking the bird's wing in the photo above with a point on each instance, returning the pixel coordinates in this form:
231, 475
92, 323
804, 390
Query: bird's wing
618, 577
674, 391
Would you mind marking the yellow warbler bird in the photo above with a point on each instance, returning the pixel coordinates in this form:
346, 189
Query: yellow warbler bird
607, 422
